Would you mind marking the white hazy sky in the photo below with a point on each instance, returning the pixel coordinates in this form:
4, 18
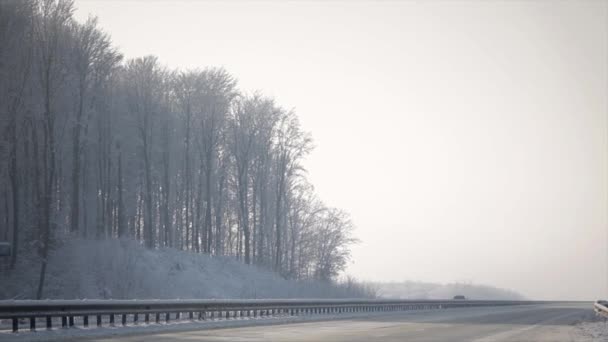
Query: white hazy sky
467, 139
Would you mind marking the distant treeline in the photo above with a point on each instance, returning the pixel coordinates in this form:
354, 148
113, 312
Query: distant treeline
423, 290
93, 145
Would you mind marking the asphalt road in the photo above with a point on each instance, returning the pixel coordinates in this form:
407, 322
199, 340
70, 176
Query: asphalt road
555, 322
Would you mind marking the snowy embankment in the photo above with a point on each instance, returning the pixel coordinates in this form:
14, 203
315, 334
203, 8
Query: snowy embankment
593, 331
123, 269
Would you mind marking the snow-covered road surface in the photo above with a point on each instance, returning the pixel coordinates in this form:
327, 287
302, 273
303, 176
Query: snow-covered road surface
547, 322
555, 322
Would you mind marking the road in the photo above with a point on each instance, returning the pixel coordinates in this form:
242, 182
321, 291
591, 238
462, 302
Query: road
554, 322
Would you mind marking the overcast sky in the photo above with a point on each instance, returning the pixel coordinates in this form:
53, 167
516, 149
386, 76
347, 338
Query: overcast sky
468, 140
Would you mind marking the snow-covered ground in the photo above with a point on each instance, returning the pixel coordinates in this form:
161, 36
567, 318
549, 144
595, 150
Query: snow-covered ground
592, 331
58, 334
123, 269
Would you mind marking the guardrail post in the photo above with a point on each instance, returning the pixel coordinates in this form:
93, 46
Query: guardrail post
221, 310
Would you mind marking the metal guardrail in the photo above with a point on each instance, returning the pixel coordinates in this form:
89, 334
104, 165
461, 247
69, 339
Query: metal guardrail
165, 310
601, 308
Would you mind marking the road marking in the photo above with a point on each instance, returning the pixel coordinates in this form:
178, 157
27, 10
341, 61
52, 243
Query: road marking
505, 335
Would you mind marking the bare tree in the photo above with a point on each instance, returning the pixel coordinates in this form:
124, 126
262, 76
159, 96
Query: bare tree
173, 158
291, 145
48, 30
15, 65
91, 52
145, 76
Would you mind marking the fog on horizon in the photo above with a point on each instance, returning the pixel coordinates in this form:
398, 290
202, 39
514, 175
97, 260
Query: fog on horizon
468, 140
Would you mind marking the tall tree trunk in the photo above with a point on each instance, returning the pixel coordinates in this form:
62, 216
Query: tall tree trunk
197, 219
14, 180
219, 229
187, 182
122, 229
49, 177
254, 219
280, 190
148, 222
207, 224
75, 205
166, 186
262, 230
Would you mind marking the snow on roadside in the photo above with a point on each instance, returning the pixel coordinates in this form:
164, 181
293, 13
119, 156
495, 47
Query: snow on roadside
77, 333
593, 331
124, 269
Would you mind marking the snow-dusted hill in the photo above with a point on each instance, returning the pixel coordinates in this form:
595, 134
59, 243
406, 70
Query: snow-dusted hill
123, 269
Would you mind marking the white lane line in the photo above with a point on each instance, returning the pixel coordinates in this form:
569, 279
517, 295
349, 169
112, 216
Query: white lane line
505, 335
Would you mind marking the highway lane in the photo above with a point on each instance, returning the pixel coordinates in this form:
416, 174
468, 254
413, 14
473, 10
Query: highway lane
552, 322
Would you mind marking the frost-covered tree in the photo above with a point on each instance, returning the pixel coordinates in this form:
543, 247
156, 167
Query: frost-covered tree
94, 146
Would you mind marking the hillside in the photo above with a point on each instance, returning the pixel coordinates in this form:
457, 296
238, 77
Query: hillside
120, 269
124, 269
